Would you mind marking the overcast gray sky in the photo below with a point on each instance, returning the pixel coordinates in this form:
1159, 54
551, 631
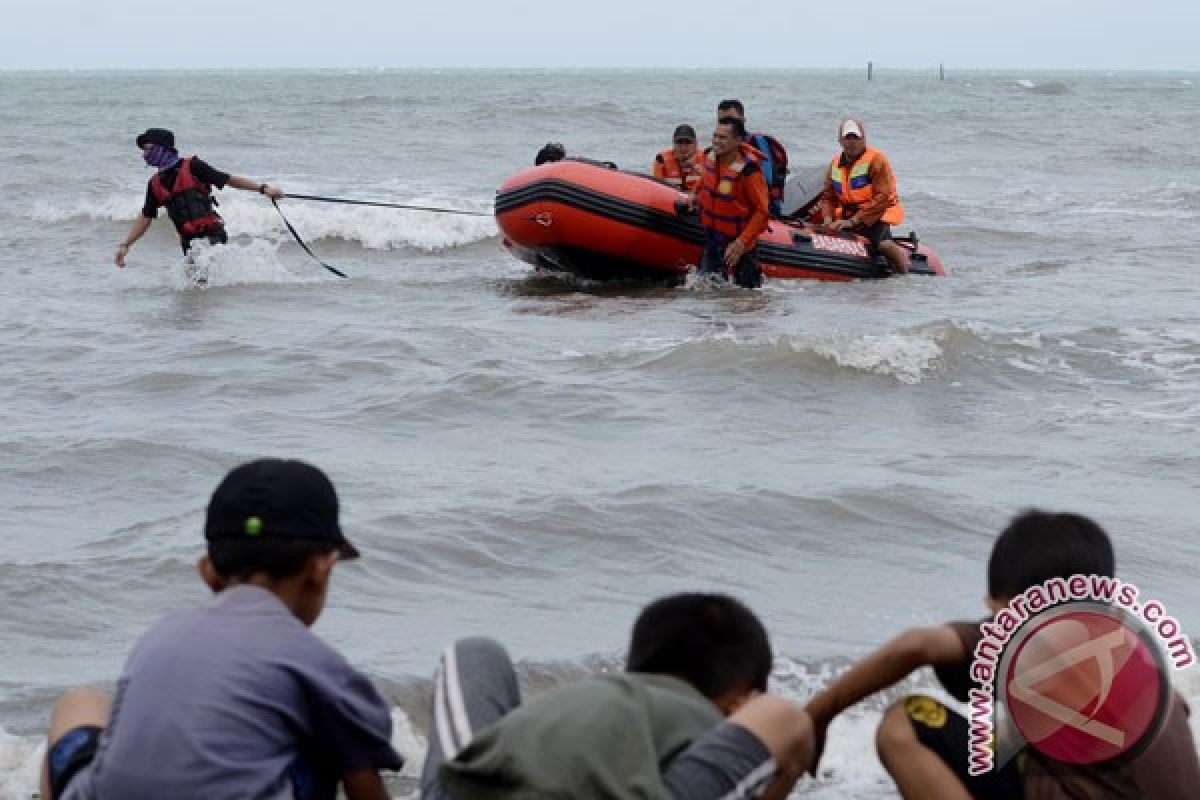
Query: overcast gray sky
1089, 34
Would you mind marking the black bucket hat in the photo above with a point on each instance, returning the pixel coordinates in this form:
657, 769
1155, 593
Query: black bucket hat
160, 136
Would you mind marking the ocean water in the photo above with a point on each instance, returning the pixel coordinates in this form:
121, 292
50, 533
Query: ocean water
529, 456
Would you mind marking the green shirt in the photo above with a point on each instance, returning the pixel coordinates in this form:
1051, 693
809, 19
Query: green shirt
606, 738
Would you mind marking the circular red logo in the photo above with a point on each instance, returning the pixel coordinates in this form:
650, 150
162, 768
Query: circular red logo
1084, 686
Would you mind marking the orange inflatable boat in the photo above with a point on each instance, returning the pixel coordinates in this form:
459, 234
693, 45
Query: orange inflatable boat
585, 218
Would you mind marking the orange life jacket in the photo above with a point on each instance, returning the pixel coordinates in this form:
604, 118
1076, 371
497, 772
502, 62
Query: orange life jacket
853, 187
672, 171
721, 207
188, 202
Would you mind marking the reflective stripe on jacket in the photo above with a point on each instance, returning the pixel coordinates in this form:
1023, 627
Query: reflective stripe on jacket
853, 187
668, 168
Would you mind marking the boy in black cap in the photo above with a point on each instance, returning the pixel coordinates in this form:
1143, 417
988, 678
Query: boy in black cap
184, 187
237, 698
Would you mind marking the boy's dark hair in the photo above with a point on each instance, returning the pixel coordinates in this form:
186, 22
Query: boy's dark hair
1040, 545
725, 105
739, 127
709, 640
239, 559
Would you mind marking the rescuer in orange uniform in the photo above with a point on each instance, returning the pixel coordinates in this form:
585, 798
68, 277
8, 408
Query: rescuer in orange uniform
860, 193
682, 166
772, 155
733, 203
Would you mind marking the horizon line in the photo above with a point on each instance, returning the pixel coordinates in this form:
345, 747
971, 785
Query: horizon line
589, 67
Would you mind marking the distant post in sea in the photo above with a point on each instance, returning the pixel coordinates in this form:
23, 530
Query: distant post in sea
942, 71
870, 69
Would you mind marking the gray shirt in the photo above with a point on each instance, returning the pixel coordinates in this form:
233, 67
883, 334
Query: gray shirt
236, 698
609, 737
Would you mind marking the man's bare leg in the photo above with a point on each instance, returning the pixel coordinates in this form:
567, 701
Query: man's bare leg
919, 773
895, 255
77, 707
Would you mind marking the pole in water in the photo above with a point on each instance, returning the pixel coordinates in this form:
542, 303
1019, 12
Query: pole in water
870, 69
942, 71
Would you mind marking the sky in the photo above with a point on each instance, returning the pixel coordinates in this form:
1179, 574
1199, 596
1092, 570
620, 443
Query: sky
1017, 34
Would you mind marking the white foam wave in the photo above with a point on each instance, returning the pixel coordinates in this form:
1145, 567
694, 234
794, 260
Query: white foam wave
905, 357
20, 764
1050, 87
111, 208
373, 228
408, 743
237, 264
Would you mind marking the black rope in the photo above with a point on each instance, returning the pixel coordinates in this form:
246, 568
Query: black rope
300, 241
376, 204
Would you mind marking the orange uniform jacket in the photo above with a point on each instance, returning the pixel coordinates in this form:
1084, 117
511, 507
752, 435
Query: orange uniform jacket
883, 186
749, 191
668, 168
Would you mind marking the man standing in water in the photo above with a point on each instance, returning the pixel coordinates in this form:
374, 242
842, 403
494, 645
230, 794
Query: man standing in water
184, 187
732, 199
860, 194
772, 160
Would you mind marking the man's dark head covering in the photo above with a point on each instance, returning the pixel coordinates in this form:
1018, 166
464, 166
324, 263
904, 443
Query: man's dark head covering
160, 136
553, 151
684, 133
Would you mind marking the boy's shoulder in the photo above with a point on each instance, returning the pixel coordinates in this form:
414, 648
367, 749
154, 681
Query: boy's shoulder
568, 736
616, 694
951, 650
603, 706
240, 624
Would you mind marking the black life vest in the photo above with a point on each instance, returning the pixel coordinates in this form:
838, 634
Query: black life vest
189, 202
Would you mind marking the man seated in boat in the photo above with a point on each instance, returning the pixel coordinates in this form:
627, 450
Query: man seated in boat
772, 158
860, 194
681, 165
551, 152
733, 205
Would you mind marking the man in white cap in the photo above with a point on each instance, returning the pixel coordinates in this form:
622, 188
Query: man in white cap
860, 193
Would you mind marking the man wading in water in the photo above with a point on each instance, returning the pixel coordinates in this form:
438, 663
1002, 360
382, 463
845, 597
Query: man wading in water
184, 187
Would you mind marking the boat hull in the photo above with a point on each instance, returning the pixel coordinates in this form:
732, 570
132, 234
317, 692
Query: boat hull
604, 224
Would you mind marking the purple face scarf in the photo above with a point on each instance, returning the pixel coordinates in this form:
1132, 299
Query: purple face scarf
160, 157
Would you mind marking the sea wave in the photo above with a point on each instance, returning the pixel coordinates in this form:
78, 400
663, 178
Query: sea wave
1166, 357
906, 356
373, 228
1047, 88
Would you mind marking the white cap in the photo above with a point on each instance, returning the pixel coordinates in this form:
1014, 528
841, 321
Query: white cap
850, 128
